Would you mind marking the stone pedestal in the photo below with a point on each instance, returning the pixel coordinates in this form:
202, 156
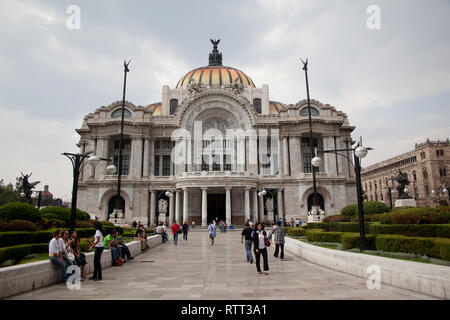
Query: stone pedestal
316, 214
116, 217
405, 203
162, 217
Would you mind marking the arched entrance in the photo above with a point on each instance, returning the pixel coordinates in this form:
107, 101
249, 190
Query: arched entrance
320, 200
112, 205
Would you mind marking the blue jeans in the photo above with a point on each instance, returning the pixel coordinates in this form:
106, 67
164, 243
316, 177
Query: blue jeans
248, 248
115, 253
175, 238
164, 237
62, 266
125, 250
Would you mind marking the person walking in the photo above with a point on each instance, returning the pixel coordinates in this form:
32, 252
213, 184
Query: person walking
247, 236
175, 227
259, 243
185, 229
280, 234
212, 231
98, 244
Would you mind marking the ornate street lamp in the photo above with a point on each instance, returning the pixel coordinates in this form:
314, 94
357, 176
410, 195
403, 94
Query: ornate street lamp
359, 152
77, 163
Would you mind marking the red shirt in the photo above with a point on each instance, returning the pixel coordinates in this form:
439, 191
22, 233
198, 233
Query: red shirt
174, 228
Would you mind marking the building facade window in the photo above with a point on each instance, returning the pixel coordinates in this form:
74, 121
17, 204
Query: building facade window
125, 164
307, 167
442, 172
166, 165
304, 112
173, 105
126, 144
118, 113
156, 166
257, 105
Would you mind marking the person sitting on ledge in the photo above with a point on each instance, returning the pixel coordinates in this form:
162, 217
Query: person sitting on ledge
55, 255
140, 235
80, 258
109, 243
125, 250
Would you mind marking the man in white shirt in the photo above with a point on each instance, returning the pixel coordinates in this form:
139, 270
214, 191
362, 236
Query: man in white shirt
55, 255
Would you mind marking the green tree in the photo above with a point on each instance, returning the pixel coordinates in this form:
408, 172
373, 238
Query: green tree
8, 193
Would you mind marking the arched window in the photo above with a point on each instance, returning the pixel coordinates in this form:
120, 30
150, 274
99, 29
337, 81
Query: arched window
173, 105
118, 113
304, 112
442, 172
425, 173
414, 175
257, 105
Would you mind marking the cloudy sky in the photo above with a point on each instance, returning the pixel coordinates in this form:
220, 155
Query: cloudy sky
393, 82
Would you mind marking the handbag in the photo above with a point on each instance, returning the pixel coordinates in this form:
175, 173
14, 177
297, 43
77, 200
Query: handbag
180, 231
70, 255
266, 242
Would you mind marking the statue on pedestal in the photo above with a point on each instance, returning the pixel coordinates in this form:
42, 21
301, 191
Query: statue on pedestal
402, 182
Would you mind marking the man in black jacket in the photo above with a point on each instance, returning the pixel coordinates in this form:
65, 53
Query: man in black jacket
247, 235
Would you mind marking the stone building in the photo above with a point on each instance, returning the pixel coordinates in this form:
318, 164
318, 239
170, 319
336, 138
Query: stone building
426, 167
215, 141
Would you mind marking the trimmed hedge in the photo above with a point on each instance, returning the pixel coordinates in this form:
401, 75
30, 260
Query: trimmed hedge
336, 218
443, 245
298, 232
350, 210
316, 225
19, 252
323, 236
63, 214
369, 207
19, 211
399, 243
412, 230
18, 225
422, 215
351, 240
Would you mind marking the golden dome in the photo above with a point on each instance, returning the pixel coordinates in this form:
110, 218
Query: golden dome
214, 74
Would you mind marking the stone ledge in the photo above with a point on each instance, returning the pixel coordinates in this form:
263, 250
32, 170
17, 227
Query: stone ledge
429, 279
23, 278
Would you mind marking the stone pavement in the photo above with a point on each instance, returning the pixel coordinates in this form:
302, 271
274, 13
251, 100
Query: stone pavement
197, 270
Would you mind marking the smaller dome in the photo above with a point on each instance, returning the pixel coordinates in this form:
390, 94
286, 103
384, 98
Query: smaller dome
216, 76
276, 107
155, 108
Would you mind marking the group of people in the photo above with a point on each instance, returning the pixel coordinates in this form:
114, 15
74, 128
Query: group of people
64, 251
176, 229
295, 223
256, 235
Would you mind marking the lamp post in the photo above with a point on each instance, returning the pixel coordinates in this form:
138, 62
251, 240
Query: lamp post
315, 201
77, 163
119, 173
359, 152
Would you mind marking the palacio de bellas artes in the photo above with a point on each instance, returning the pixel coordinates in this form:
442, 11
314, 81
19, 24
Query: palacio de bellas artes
216, 147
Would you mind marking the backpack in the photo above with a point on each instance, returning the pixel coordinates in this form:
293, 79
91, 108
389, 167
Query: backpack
118, 262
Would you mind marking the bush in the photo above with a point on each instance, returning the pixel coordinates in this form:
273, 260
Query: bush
316, 225
64, 214
350, 210
19, 211
367, 217
323, 236
336, 218
296, 232
107, 223
412, 230
399, 243
351, 240
17, 253
52, 223
18, 225
373, 207
83, 224
440, 215
443, 245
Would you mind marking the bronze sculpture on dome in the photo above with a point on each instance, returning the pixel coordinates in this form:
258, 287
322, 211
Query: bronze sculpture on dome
215, 57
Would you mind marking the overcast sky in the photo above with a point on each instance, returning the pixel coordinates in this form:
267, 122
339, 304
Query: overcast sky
393, 82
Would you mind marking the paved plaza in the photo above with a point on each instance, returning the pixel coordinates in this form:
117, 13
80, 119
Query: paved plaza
197, 270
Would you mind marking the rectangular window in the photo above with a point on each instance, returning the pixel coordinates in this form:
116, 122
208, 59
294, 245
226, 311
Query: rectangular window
216, 163
226, 162
307, 167
205, 163
156, 173
166, 165
125, 164
126, 144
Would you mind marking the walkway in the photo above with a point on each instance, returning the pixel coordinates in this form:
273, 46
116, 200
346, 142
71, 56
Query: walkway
195, 270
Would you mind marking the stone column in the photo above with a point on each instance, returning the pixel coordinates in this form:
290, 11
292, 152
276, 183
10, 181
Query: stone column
330, 158
261, 208
171, 208
102, 152
253, 154
90, 169
240, 154
151, 157
247, 203
146, 155
204, 207
185, 205
177, 207
285, 157
280, 204
136, 156
152, 207
280, 163
228, 205
255, 206
294, 155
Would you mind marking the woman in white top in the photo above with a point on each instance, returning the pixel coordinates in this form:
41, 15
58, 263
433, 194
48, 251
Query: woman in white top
259, 241
98, 244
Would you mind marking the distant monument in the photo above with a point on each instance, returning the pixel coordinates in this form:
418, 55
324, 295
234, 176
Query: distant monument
404, 199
